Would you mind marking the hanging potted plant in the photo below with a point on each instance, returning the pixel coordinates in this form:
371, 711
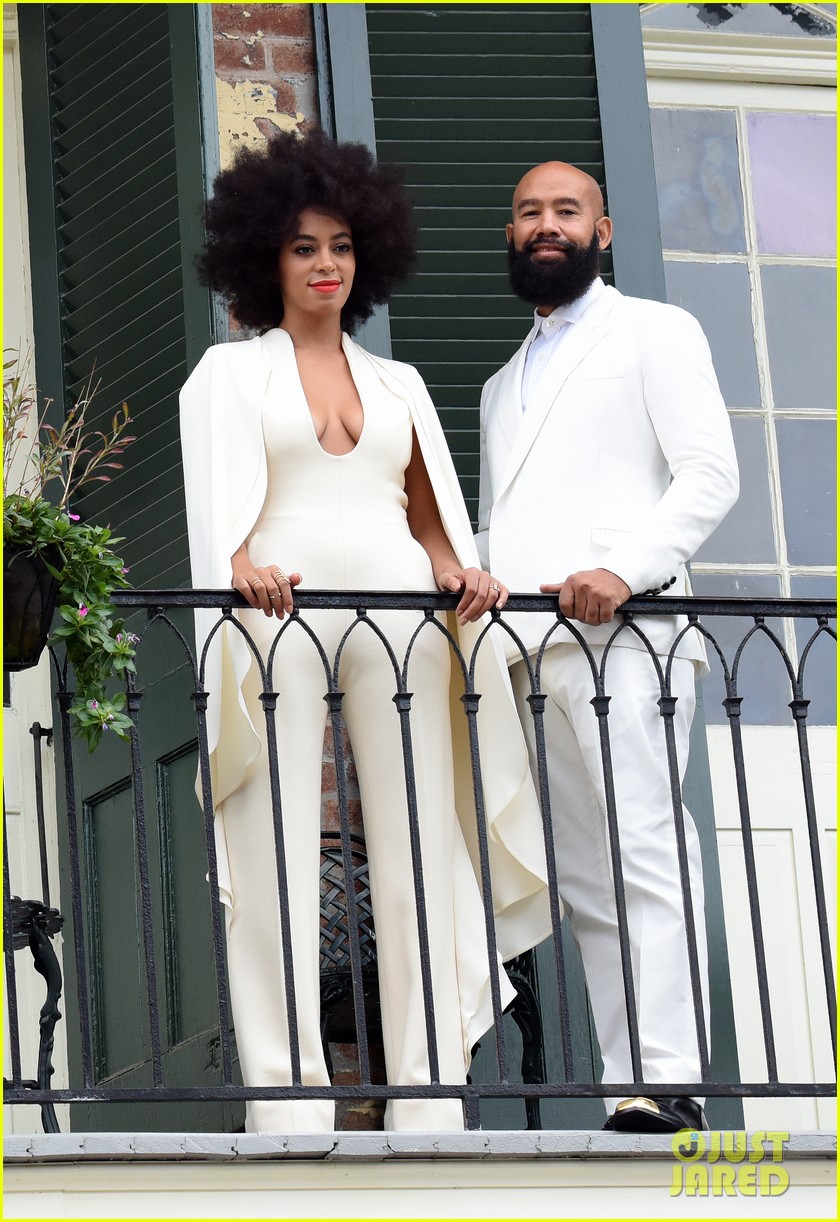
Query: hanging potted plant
51, 559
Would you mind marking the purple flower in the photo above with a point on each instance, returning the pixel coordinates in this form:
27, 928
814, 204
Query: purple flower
82, 611
93, 704
75, 517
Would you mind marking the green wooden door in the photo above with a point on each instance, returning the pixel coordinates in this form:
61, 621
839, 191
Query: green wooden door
115, 179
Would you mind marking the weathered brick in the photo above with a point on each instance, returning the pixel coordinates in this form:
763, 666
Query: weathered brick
235, 57
244, 37
358, 1115
365, 1117
306, 100
347, 1053
291, 20
288, 58
330, 818
329, 814
329, 780
344, 1077
354, 808
285, 94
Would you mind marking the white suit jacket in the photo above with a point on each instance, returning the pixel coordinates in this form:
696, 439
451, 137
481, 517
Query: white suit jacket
625, 463
225, 482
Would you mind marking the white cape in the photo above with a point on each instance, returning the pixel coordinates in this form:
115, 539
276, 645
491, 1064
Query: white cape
225, 480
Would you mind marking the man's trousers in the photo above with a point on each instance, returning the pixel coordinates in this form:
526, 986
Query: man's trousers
647, 839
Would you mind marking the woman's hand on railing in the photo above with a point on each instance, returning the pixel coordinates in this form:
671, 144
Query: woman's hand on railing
267, 588
481, 592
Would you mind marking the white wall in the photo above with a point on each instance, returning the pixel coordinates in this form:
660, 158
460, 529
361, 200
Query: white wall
445, 1187
30, 690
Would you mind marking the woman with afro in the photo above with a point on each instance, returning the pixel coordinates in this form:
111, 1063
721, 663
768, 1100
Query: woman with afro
307, 459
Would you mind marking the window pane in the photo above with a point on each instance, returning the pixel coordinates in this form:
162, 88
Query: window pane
806, 462
698, 180
745, 535
818, 675
718, 295
793, 166
783, 20
800, 316
762, 677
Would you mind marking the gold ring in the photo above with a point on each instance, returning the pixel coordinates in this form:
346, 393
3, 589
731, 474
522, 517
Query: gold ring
494, 586
279, 576
256, 581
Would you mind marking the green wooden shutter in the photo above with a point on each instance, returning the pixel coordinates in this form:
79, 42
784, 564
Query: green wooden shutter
109, 201
469, 97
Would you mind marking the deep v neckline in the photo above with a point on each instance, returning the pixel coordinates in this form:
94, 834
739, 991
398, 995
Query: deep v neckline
308, 409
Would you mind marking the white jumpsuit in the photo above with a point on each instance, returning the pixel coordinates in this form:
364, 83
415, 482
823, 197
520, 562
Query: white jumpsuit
340, 521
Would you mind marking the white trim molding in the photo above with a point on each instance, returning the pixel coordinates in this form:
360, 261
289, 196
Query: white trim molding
740, 57
10, 24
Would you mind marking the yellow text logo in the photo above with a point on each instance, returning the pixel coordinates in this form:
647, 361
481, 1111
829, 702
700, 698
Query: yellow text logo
729, 1164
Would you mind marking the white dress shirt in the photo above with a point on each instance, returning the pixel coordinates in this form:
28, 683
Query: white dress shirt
548, 335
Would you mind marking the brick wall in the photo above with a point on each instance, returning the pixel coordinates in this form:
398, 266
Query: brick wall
265, 71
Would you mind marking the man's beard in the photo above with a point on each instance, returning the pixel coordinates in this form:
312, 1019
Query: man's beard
557, 282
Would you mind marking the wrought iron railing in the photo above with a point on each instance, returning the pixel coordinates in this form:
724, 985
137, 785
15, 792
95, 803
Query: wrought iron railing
36, 923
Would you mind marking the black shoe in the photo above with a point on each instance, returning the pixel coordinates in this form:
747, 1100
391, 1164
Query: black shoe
653, 1114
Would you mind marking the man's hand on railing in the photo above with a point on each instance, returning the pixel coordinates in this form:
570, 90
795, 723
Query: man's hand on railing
592, 597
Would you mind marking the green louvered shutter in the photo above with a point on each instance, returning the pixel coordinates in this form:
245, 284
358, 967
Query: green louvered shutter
101, 141
468, 97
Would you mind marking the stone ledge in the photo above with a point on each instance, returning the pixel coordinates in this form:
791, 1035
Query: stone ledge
491, 1144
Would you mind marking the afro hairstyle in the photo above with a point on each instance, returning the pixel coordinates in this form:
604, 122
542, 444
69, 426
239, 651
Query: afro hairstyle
255, 208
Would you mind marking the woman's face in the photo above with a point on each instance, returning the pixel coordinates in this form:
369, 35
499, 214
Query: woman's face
316, 266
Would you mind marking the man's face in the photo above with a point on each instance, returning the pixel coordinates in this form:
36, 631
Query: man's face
556, 236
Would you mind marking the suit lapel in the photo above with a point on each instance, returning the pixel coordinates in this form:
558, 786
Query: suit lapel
509, 395
575, 347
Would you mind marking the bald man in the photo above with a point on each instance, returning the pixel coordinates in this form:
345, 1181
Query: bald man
606, 460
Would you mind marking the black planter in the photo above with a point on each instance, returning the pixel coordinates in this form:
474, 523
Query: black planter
30, 593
